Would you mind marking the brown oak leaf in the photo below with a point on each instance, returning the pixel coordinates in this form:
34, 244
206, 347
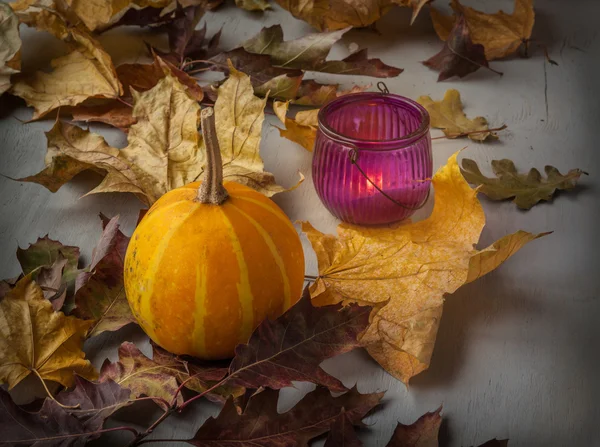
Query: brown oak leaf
261, 423
460, 56
421, 433
526, 189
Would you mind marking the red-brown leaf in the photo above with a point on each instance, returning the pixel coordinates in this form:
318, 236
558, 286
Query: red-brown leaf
459, 56
261, 424
421, 433
342, 433
292, 347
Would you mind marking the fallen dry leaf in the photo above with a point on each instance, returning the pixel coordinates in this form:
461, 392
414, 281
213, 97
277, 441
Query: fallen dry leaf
253, 5
460, 56
239, 116
293, 346
302, 129
115, 114
261, 423
100, 293
527, 189
416, 5
37, 340
160, 376
45, 252
55, 426
86, 72
421, 433
10, 46
408, 269
51, 281
342, 433
501, 34
309, 53
448, 115
337, 14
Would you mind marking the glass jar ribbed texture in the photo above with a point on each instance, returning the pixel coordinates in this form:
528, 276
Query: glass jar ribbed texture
389, 137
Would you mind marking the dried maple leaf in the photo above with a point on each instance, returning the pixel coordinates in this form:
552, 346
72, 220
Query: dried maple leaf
239, 116
421, 433
55, 426
261, 423
158, 377
448, 115
416, 6
86, 72
293, 346
337, 14
309, 53
460, 56
302, 129
527, 189
100, 293
501, 34
37, 340
10, 47
253, 5
409, 268
342, 433
115, 114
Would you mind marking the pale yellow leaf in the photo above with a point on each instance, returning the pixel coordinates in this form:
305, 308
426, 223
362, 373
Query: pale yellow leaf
10, 46
34, 339
86, 72
409, 268
448, 115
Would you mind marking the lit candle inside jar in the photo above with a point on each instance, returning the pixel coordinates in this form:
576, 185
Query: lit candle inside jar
372, 158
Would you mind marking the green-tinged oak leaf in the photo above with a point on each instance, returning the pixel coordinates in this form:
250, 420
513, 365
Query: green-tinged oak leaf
261, 424
86, 72
526, 190
10, 46
409, 268
45, 252
309, 53
448, 115
37, 340
160, 376
100, 292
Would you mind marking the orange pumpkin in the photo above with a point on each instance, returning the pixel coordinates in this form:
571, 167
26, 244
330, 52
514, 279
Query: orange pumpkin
209, 262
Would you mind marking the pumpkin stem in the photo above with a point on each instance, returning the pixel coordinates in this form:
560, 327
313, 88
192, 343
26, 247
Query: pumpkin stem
211, 190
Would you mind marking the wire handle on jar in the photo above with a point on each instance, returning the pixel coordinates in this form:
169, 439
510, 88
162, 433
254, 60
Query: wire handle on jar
382, 87
354, 151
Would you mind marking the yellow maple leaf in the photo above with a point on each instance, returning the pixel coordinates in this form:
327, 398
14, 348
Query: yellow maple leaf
86, 72
10, 46
409, 268
34, 339
500, 34
448, 115
302, 129
239, 116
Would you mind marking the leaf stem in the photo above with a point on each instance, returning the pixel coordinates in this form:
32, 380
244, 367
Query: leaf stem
203, 393
33, 370
464, 134
121, 100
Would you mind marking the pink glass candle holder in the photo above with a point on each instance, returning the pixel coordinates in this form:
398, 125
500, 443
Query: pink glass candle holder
372, 161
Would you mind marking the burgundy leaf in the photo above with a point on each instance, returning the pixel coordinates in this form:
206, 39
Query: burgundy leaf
55, 426
261, 424
50, 280
342, 433
293, 346
100, 291
459, 56
421, 433
358, 63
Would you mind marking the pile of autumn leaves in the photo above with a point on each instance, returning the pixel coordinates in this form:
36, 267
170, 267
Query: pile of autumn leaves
398, 275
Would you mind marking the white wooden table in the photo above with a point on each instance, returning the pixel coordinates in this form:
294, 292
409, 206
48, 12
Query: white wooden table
517, 351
